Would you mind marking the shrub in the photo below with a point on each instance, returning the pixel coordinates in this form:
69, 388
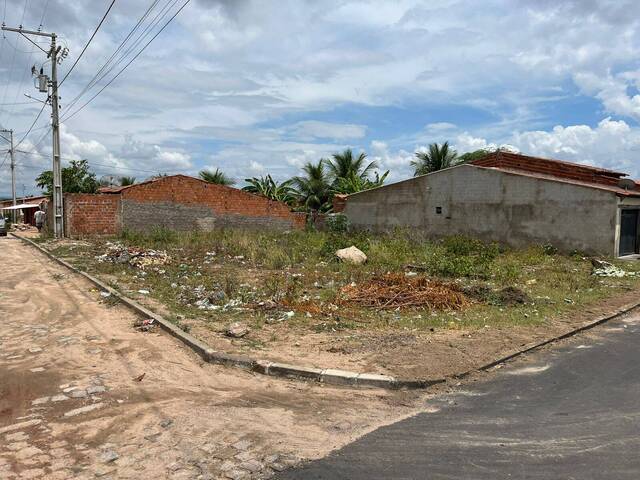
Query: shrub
337, 223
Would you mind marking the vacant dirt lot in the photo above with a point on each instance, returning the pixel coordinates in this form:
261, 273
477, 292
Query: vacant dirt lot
300, 306
84, 395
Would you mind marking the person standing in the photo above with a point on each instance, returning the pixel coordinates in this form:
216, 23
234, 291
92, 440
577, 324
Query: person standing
40, 216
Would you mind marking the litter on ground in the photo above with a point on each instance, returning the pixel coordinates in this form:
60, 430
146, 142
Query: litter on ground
606, 269
136, 257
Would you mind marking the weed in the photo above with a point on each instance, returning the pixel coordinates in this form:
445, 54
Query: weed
230, 286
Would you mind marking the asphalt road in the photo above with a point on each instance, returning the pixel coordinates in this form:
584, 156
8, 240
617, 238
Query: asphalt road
571, 412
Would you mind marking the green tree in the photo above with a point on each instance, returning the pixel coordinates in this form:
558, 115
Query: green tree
354, 183
313, 188
345, 165
268, 187
76, 178
436, 158
216, 176
126, 181
472, 156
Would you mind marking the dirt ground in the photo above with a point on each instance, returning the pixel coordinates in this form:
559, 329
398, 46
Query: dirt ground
83, 395
407, 354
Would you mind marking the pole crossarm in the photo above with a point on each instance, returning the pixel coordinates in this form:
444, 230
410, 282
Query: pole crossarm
58, 214
28, 32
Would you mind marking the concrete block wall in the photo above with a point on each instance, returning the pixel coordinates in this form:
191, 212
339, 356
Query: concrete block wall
492, 205
185, 203
88, 214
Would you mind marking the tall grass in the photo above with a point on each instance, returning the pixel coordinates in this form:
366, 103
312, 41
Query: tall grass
451, 257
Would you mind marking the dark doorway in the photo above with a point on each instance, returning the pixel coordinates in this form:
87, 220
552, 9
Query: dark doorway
629, 242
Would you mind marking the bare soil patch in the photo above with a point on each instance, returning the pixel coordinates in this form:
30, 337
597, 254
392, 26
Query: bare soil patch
68, 363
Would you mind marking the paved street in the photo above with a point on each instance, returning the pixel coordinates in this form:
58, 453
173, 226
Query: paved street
84, 395
565, 413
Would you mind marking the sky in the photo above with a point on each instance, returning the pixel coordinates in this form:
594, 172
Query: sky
256, 86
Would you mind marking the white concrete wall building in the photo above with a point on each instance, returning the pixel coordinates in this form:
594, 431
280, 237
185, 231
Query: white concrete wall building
596, 212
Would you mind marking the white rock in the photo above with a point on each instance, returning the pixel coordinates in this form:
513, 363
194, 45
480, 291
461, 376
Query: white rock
237, 330
352, 255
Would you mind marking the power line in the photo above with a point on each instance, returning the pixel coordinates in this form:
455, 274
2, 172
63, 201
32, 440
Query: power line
154, 23
27, 70
44, 12
94, 80
116, 167
130, 61
104, 17
32, 125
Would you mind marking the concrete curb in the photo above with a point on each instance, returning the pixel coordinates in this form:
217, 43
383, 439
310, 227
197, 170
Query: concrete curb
588, 326
328, 376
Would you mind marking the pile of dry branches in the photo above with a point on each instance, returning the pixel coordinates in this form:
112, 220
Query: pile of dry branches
395, 290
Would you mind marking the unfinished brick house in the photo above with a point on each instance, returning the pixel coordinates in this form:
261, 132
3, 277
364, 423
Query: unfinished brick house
513, 199
177, 202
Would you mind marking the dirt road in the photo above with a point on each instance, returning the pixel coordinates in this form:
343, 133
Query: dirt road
71, 405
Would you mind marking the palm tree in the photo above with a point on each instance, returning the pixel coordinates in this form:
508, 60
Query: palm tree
218, 177
355, 184
126, 181
345, 164
437, 158
313, 189
268, 187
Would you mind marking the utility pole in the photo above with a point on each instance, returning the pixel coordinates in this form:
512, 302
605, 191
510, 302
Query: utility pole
13, 169
58, 220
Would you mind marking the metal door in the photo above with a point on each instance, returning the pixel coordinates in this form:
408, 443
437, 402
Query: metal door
629, 242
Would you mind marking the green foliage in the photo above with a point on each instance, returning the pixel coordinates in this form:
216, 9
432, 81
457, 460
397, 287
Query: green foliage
163, 235
126, 181
472, 156
460, 256
268, 187
346, 165
438, 157
313, 188
337, 223
216, 176
462, 245
354, 183
76, 178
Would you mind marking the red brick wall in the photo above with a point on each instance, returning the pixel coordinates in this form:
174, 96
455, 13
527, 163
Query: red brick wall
549, 167
194, 197
87, 214
339, 203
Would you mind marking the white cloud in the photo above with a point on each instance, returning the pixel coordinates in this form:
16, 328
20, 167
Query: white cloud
612, 144
337, 131
613, 91
172, 160
440, 127
398, 163
467, 143
238, 79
